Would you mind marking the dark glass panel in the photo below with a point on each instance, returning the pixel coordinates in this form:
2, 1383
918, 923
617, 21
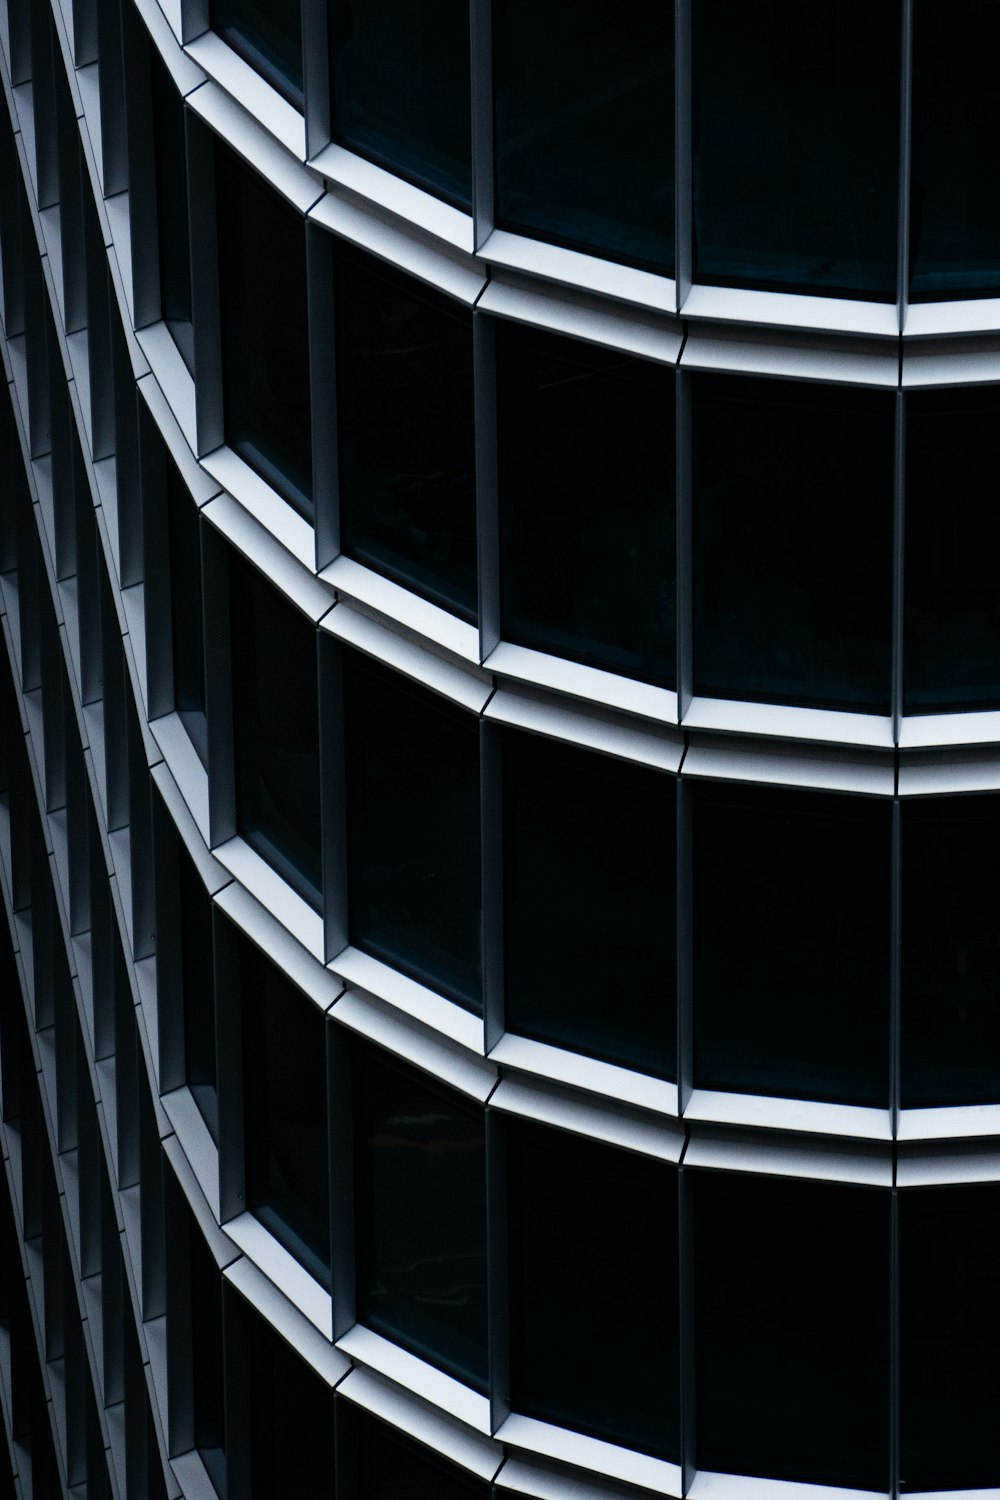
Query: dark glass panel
951, 951
593, 1288
589, 902
284, 1111
950, 1323
793, 1349
420, 1215
200, 1067
585, 125
187, 620
400, 91
277, 729
391, 1467
172, 207
791, 943
586, 451
291, 1421
951, 657
265, 330
268, 35
954, 217
406, 435
207, 1358
413, 839
796, 145
793, 502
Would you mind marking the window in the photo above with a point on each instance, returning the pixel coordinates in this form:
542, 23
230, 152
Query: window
792, 1352
586, 453
951, 951
796, 132
420, 1184
593, 1288
285, 1111
585, 125
277, 729
589, 848
951, 660
268, 35
400, 94
379, 1463
291, 1421
187, 621
414, 862
791, 897
405, 430
170, 171
793, 503
954, 223
265, 330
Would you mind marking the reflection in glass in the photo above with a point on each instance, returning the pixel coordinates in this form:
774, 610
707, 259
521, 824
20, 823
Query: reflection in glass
793, 505
420, 1215
586, 452
791, 943
584, 129
268, 35
400, 91
796, 132
406, 436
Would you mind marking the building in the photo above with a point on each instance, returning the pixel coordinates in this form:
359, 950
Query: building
501, 699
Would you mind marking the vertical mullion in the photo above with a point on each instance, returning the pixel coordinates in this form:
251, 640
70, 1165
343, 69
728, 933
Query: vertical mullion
686, 1324
205, 307
316, 75
481, 64
323, 392
905, 121
895, 967
498, 1290
491, 839
685, 919
898, 566
894, 1343
333, 796
683, 501
487, 482
683, 148
340, 1094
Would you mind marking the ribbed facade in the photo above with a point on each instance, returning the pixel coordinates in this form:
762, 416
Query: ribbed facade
500, 721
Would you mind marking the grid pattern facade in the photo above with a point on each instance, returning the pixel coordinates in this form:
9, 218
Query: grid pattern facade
499, 727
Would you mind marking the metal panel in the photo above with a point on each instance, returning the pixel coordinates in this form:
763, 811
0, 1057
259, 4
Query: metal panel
323, 389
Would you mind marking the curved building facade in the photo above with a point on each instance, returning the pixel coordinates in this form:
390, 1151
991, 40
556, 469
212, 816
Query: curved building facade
501, 749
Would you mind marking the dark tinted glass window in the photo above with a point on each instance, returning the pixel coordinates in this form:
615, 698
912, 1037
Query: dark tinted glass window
951, 951
585, 125
793, 500
951, 657
277, 728
950, 1322
187, 623
586, 447
199, 991
172, 206
589, 903
284, 1111
265, 330
385, 1465
954, 222
593, 1288
793, 1351
413, 829
420, 1215
268, 35
291, 1421
405, 430
400, 89
207, 1358
791, 943
796, 131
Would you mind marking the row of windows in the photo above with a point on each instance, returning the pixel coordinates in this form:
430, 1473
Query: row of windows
792, 181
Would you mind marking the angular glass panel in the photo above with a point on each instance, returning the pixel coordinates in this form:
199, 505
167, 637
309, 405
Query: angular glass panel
951, 657
284, 1111
791, 943
793, 504
586, 455
796, 145
265, 329
954, 220
589, 846
951, 951
170, 164
593, 1288
792, 1353
949, 1326
200, 1063
400, 90
420, 1215
414, 864
584, 129
187, 617
276, 714
405, 429
383, 1464
291, 1421
268, 35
